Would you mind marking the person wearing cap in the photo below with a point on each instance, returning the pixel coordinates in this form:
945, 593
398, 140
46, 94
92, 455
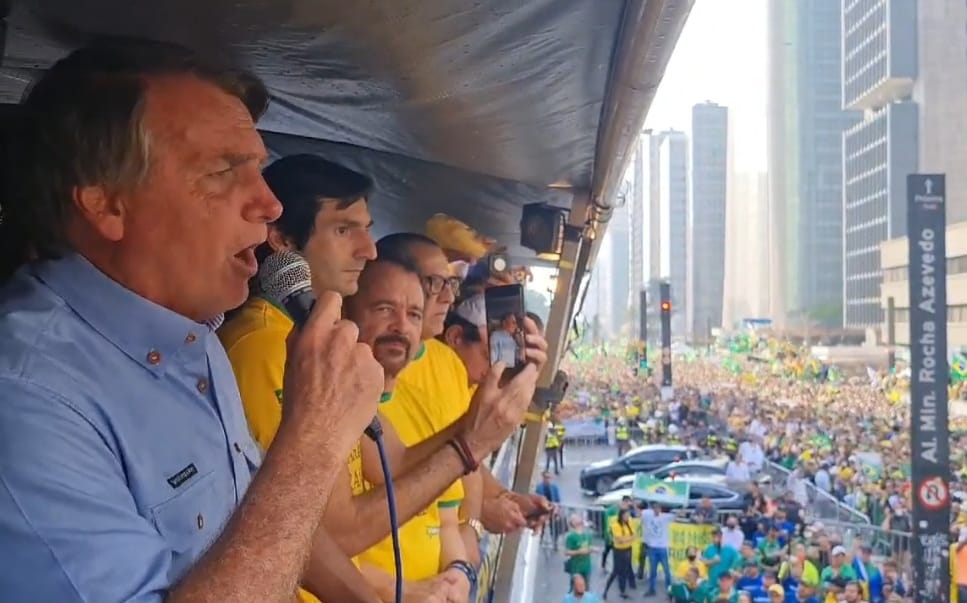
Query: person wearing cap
834, 577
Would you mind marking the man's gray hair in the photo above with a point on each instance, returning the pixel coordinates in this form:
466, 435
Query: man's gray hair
81, 124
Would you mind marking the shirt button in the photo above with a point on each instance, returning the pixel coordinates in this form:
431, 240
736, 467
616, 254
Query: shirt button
154, 357
203, 385
200, 520
191, 338
238, 448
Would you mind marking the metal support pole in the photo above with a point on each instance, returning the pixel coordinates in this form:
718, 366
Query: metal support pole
568, 282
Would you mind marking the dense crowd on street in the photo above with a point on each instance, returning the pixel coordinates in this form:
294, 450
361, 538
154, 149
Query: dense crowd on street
840, 441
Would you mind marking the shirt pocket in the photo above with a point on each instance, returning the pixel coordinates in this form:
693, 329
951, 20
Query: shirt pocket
191, 520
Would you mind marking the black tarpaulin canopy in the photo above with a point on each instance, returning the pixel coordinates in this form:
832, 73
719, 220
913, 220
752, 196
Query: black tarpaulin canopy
471, 107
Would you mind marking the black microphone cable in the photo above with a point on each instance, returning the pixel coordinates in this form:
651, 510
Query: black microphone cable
375, 433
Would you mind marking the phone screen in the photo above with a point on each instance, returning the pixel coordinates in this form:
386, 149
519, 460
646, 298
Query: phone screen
505, 325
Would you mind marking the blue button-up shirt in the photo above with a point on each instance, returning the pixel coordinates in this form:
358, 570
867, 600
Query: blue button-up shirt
123, 444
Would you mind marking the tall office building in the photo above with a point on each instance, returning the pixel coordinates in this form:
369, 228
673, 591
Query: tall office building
673, 220
879, 68
746, 290
619, 232
940, 91
652, 146
806, 121
707, 209
905, 67
639, 220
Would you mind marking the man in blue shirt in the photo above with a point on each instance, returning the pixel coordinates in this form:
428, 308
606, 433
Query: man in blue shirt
124, 448
127, 472
549, 490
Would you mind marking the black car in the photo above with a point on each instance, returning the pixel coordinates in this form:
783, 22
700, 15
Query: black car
598, 477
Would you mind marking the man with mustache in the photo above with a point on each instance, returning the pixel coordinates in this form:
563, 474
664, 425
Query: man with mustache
326, 219
388, 309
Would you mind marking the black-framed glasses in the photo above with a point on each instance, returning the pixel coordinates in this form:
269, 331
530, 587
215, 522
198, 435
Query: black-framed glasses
434, 284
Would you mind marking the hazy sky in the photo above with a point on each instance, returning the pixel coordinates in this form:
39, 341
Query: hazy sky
721, 57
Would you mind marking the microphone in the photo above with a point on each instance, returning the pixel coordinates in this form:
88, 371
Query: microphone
284, 279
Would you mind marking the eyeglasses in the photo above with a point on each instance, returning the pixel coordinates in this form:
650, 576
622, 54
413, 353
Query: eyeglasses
434, 284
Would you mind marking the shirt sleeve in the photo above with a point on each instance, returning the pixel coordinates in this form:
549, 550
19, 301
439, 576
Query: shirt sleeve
452, 496
258, 361
70, 528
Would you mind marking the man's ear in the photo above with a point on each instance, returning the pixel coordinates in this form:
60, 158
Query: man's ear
453, 336
103, 211
278, 241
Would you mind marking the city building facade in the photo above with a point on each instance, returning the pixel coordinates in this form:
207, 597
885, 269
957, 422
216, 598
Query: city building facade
707, 203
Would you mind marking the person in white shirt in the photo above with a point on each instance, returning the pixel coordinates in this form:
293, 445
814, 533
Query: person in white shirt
732, 534
737, 470
822, 479
753, 455
656, 534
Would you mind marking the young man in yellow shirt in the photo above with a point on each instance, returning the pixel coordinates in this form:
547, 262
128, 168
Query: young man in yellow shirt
327, 221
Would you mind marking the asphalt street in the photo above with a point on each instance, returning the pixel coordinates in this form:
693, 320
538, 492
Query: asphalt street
552, 582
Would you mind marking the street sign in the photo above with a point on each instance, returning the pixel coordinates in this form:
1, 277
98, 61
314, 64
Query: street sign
930, 438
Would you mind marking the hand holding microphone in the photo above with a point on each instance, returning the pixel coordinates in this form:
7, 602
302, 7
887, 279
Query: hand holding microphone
332, 383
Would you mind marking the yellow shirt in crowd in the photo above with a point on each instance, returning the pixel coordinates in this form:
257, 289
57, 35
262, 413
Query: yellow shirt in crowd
254, 340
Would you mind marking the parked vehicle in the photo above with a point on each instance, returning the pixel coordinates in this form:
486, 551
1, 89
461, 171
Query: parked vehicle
599, 477
724, 497
711, 470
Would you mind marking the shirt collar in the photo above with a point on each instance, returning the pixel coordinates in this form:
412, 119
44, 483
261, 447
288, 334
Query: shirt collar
153, 336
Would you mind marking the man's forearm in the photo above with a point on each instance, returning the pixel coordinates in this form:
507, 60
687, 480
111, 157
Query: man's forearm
415, 491
261, 553
471, 544
416, 455
331, 576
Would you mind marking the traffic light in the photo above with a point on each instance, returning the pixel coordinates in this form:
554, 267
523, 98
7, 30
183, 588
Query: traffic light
666, 334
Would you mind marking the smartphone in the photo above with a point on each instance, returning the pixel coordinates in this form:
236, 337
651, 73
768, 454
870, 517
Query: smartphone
505, 326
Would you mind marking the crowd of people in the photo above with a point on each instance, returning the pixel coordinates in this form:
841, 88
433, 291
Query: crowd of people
844, 444
179, 422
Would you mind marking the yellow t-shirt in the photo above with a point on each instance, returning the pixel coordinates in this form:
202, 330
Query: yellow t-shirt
626, 533
254, 340
430, 394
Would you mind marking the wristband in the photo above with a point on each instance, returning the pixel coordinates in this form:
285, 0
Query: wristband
462, 442
468, 464
466, 569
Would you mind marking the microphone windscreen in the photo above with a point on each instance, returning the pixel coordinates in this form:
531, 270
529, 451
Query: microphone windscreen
283, 274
